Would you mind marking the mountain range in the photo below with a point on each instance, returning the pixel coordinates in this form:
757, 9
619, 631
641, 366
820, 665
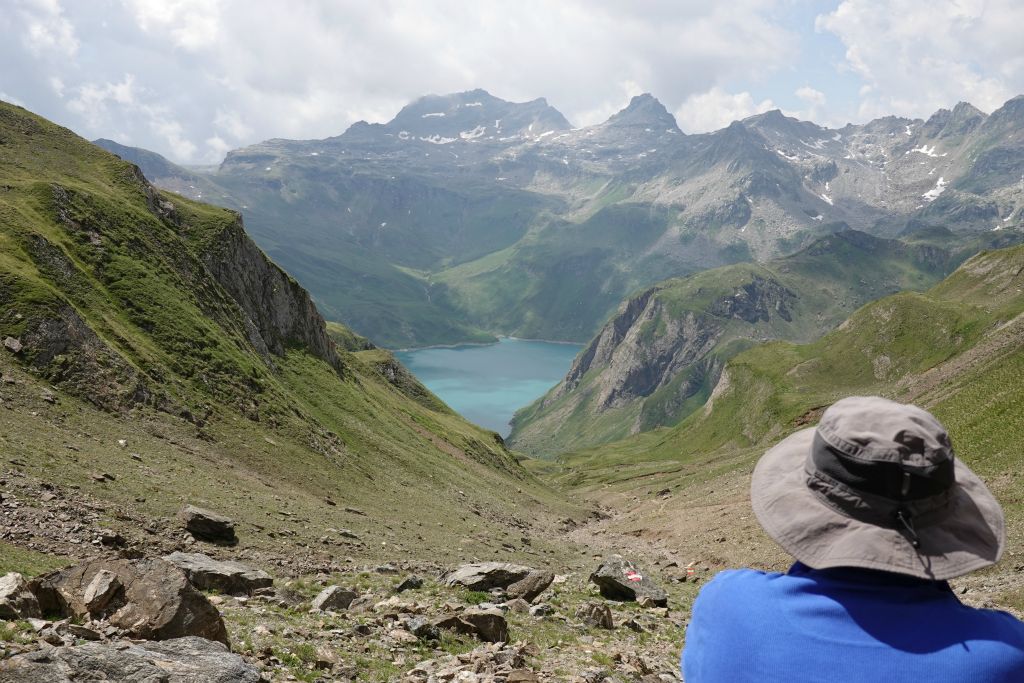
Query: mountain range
467, 216
152, 356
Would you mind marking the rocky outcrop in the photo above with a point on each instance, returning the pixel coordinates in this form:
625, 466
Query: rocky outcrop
16, 600
281, 312
206, 573
334, 599
150, 599
207, 525
179, 660
490, 624
490, 662
530, 586
619, 579
596, 615
482, 576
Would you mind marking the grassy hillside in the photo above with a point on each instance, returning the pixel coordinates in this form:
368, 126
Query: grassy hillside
147, 318
658, 359
955, 349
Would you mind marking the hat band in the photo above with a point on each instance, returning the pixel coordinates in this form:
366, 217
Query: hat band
877, 492
885, 476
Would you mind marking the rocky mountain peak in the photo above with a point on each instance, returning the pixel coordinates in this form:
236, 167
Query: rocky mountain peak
473, 115
777, 124
1012, 112
944, 123
645, 110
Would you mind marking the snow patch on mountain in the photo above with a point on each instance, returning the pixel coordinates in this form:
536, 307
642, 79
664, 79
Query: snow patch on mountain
933, 194
437, 139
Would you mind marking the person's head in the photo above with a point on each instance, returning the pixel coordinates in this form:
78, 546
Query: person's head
876, 485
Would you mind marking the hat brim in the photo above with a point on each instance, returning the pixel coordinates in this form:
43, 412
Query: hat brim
970, 536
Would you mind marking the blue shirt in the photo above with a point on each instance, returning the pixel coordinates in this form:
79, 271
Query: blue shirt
845, 626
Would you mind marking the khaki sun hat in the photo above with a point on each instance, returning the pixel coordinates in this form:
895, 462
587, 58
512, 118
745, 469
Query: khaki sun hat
876, 485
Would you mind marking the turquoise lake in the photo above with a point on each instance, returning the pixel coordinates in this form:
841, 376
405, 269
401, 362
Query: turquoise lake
487, 384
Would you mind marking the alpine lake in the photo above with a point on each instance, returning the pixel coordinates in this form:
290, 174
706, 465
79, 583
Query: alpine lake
488, 383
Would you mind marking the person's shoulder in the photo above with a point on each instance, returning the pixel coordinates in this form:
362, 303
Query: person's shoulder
733, 581
1003, 622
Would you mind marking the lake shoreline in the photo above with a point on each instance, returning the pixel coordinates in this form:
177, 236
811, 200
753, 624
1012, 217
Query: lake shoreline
488, 383
498, 340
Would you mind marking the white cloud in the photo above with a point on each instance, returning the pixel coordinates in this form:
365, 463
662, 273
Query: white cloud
47, 32
93, 101
230, 122
814, 104
916, 56
716, 109
57, 85
217, 147
11, 98
172, 133
240, 71
191, 24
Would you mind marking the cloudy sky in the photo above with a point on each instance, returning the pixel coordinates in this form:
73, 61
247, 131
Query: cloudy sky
192, 79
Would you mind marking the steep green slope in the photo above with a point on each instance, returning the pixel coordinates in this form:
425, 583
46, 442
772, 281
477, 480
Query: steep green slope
132, 315
957, 350
658, 359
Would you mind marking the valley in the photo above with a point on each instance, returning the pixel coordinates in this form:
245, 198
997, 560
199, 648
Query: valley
156, 360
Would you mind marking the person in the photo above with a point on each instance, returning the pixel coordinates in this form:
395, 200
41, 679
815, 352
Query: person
878, 513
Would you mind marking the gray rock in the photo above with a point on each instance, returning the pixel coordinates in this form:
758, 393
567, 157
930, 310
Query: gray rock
334, 599
483, 576
13, 345
532, 585
490, 624
620, 579
206, 525
541, 609
156, 601
455, 623
180, 660
423, 628
595, 614
206, 573
518, 605
409, 583
103, 589
16, 600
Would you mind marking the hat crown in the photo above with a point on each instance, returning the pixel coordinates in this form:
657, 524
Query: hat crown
871, 428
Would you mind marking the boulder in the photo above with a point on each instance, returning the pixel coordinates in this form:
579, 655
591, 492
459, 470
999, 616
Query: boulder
334, 599
423, 628
101, 592
150, 599
180, 660
530, 586
206, 573
206, 525
595, 614
490, 624
620, 579
454, 623
483, 576
541, 609
411, 582
16, 600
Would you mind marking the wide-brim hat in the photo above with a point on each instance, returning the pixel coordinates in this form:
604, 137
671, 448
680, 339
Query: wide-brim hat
876, 485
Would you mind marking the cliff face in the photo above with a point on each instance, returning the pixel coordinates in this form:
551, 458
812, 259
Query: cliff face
650, 348
280, 313
659, 357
